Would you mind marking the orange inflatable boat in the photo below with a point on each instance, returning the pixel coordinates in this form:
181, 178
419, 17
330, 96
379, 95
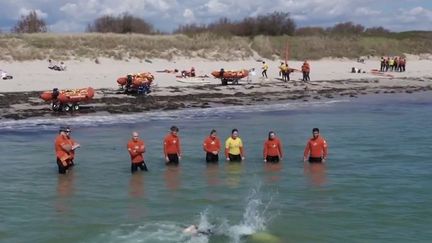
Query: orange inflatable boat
239, 74
67, 99
136, 80
69, 95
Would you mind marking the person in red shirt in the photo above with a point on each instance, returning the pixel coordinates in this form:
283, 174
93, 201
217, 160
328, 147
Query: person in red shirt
64, 147
136, 149
305, 70
211, 146
171, 148
316, 148
272, 148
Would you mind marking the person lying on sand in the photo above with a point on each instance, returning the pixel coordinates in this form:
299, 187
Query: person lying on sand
168, 71
4, 75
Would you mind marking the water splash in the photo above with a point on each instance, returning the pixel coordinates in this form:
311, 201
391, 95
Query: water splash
254, 219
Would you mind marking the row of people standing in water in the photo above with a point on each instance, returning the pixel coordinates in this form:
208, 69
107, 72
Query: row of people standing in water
314, 152
396, 64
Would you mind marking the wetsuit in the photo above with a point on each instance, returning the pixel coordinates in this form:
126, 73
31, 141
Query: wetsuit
316, 150
136, 150
272, 150
172, 149
210, 145
234, 149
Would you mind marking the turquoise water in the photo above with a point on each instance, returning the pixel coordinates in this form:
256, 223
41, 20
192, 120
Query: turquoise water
375, 187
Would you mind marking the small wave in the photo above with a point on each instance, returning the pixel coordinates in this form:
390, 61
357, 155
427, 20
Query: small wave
163, 232
49, 123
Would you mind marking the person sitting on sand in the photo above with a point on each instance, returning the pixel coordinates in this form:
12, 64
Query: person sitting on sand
62, 66
51, 64
54, 66
186, 74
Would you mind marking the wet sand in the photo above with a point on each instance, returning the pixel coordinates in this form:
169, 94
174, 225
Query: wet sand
27, 104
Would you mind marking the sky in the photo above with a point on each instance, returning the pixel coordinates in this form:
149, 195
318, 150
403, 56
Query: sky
67, 16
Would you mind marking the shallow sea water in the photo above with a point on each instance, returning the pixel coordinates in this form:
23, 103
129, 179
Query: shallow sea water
374, 188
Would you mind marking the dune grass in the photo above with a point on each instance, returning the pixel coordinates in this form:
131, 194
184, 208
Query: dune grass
21, 47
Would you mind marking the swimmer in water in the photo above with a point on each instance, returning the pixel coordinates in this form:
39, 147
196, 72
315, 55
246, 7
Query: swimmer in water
194, 230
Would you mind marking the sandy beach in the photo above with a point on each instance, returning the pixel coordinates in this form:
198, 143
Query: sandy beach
329, 78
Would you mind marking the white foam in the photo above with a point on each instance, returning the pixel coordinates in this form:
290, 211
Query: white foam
255, 218
88, 120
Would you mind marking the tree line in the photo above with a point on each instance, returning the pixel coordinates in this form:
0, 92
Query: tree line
272, 24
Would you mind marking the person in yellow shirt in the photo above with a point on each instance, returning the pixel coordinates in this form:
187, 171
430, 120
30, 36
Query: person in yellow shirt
281, 70
265, 67
285, 73
234, 147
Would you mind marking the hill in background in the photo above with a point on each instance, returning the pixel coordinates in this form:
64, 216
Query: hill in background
40, 46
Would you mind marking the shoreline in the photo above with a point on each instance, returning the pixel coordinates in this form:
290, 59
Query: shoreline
25, 105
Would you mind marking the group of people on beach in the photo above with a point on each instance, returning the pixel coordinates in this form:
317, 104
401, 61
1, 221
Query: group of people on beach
314, 152
396, 64
56, 66
285, 70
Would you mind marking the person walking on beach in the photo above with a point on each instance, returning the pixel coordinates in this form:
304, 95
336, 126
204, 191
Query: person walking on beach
286, 73
316, 148
272, 149
391, 64
305, 70
136, 149
211, 146
383, 64
265, 67
234, 147
251, 75
281, 70
402, 64
171, 147
387, 64
65, 147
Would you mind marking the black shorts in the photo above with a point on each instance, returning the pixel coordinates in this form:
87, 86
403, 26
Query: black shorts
210, 157
173, 159
235, 157
272, 159
61, 168
141, 165
315, 160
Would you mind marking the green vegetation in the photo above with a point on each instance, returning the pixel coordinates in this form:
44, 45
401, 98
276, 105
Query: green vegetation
266, 35
41, 46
